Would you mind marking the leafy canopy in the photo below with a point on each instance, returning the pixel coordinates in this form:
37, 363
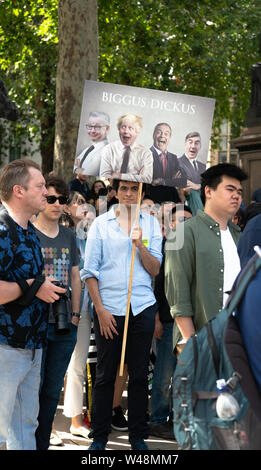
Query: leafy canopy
203, 48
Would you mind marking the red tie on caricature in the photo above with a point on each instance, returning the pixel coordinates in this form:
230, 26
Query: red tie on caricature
164, 162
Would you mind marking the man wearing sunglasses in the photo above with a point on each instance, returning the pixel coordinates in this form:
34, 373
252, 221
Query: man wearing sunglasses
61, 260
97, 127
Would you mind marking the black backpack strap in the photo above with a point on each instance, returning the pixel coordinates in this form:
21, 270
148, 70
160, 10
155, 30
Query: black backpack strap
237, 292
241, 283
9, 223
233, 340
213, 347
195, 352
11, 226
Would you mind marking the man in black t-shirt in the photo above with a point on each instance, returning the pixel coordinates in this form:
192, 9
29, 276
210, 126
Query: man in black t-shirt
256, 196
61, 260
80, 185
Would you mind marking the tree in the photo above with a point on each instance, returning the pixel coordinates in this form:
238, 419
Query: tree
203, 48
78, 61
48, 89
28, 58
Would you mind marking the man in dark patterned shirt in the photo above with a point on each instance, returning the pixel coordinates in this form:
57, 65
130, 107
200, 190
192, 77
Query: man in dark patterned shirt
24, 298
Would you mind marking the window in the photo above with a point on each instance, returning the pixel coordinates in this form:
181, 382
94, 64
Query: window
226, 153
14, 147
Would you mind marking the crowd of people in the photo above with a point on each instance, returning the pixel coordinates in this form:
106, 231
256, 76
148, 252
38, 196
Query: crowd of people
64, 296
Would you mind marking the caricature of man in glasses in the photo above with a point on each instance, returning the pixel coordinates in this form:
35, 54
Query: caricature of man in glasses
88, 162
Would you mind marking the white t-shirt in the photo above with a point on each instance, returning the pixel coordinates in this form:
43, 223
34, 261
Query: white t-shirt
231, 261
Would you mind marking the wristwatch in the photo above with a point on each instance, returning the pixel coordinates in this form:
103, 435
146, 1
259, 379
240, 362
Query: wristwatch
78, 315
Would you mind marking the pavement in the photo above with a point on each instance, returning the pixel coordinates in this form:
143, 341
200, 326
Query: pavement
117, 440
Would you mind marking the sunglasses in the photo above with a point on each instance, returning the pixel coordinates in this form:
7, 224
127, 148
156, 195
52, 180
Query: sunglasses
52, 199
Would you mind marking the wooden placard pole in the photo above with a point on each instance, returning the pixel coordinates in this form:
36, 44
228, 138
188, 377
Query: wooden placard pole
130, 286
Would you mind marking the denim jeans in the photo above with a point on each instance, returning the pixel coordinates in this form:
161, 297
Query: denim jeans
140, 332
161, 405
19, 392
56, 358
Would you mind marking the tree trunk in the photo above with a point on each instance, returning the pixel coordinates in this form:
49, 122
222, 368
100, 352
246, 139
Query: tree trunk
47, 144
47, 123
77, 62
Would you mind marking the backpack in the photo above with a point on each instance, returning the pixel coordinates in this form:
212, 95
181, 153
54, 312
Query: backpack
217, 351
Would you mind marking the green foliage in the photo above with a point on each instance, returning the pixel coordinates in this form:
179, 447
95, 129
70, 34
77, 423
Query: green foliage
201, 48
28, 59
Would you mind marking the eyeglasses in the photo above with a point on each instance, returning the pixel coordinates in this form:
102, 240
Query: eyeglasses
95, 128
52, 199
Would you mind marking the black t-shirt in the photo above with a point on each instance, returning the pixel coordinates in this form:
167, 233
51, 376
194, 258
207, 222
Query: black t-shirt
82, 188
60, 255
159, 291
256, 196
161, 194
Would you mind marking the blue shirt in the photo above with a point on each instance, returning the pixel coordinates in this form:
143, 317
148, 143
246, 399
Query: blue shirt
249, 319
250, 237
22, 327
108, 259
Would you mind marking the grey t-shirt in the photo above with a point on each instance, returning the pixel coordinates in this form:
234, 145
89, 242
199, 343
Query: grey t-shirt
60, 255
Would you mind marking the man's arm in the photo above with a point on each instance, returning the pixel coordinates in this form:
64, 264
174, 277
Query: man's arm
146, 169
158, 330
76, 292
150, 263
107, 321
90, 274
106, 169
179, 272
9, 291
191, 185
176, 176
185, 326
48, 292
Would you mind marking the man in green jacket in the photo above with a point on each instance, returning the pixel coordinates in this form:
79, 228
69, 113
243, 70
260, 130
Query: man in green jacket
200, 272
